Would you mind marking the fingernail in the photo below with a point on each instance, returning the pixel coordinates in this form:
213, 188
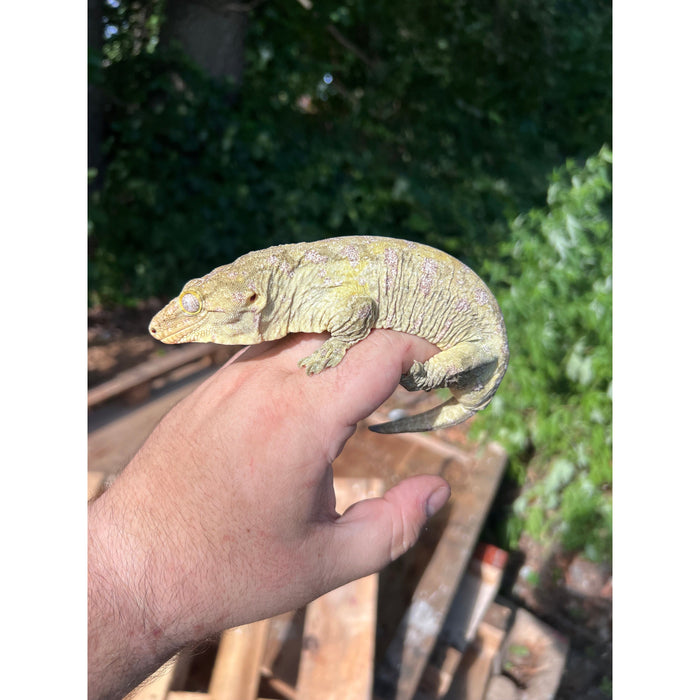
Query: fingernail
437, 500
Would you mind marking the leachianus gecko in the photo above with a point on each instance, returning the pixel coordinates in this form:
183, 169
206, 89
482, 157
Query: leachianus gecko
347, 286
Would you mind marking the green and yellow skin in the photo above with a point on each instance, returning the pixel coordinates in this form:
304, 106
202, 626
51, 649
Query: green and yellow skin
347, 286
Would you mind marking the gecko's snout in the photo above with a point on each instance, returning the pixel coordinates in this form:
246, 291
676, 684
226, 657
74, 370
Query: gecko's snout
171, 326
154, 330
158, 327
158, 332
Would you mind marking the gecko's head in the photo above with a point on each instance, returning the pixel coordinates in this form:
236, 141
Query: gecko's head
222, 307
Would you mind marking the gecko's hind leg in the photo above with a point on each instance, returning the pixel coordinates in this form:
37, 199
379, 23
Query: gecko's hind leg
471, 373
465, 366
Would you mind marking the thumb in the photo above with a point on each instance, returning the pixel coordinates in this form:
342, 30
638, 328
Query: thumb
374, 532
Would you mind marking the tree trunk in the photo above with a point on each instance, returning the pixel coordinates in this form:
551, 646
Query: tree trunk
210, 32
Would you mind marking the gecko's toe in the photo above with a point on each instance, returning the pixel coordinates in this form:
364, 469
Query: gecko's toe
328, 355
415, 378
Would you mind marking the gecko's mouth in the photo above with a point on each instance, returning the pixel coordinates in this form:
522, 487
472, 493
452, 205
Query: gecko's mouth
170, 331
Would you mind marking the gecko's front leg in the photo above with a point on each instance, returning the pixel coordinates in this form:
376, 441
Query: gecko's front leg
351, 321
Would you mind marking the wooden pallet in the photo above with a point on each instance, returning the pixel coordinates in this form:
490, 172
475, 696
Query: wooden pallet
406, 658
461, 661
135, 383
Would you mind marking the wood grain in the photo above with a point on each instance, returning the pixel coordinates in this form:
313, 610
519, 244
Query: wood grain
236, 673
147, 371
407, 655
337, 659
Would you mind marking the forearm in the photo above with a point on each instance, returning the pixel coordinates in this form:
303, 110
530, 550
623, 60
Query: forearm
152, 568
125, 637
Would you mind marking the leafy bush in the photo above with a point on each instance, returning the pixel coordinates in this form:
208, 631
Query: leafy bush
553, 412
429, 129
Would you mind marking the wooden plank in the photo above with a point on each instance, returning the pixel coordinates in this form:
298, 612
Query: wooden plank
475, 594
111, 447
338, 652
280, 662
95, 481
157, 686
477, 591
407, 655
236, 672
534, 655
147, 371
282, 688
476, 667
349, 491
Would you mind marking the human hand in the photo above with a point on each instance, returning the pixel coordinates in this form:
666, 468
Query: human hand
227, 513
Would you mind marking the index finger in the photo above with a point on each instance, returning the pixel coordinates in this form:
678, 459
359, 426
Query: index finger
371, 370
366, 376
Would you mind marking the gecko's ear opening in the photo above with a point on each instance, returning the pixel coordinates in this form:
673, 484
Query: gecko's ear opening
256, 299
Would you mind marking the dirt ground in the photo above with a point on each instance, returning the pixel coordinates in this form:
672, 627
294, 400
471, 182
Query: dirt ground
567, 592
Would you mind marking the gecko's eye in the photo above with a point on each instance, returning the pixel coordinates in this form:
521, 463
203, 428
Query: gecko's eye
190, 303
252, 297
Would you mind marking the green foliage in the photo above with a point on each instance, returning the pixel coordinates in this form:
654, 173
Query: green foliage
553, 411
352, 118
131, 27
176, 196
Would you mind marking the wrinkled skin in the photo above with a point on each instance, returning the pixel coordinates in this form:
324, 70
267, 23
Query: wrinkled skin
347, 286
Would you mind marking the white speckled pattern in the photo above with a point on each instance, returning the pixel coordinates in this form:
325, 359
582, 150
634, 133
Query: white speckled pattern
347, 286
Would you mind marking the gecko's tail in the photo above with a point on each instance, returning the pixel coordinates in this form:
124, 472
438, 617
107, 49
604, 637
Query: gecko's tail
443, 416
465, 402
